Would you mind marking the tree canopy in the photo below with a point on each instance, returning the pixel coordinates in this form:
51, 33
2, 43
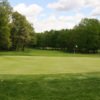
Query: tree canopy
16, 33
83, 38
5, 13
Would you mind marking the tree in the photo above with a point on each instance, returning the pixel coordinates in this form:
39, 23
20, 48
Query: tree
87, 37
62, 39
5, 13
84, 38
32, 40
22, 31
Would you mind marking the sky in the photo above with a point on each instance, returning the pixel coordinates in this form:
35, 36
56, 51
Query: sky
46, 15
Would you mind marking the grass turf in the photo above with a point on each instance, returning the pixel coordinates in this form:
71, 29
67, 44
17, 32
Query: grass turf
84, 86
18, 79
47, 65
49, 53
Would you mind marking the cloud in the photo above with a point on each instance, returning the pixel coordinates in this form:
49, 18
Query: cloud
96, 12
31, 12
63, 22
92, 3
66, 5
43, 15
78, 16
51, 23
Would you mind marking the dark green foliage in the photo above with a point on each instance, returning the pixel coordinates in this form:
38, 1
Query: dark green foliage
22, 32
5, 12
84, 38
16, 33
87, 35
50, 87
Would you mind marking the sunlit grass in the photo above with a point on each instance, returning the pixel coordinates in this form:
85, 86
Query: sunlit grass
49, 75
47, 65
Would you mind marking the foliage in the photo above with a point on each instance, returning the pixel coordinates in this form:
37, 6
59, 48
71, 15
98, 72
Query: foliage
5, 12
16, 33
22, 32
87, 35
83, 38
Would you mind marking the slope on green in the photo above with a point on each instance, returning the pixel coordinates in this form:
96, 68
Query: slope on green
47, 65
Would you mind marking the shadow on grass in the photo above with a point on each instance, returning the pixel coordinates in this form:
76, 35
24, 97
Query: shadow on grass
83, 86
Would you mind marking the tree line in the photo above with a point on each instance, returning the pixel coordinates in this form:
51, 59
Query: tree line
83, 38
16, 33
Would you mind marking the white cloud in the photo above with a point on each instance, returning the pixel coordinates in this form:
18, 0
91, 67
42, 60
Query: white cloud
31, 12
92, 3
66, 5
71, 18
63, 22
43, 15
52, 23
96, 12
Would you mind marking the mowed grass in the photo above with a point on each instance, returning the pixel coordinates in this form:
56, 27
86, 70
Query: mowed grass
84, 86
49, 53
47, 65
49, 75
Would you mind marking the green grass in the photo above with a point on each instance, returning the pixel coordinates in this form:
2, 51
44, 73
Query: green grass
85, 86
37, 52
47, 65
49, 75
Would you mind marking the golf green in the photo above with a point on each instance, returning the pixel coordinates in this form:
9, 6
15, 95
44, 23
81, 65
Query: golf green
48, 65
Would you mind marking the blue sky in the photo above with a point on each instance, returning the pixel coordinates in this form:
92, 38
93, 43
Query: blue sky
56, 14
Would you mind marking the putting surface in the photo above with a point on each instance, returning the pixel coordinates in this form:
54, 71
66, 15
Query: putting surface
47, 65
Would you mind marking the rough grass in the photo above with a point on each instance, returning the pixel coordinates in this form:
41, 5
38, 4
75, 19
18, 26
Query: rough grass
84, 86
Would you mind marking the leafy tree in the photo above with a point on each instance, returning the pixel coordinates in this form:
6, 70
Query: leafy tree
62, 39
40, 40
87, 37
5, 13
22, 31
71, 40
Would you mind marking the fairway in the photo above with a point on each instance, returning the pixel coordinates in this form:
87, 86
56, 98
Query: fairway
49, 75
47, 65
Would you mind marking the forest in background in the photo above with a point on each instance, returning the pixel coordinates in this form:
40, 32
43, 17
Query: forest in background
16, 33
